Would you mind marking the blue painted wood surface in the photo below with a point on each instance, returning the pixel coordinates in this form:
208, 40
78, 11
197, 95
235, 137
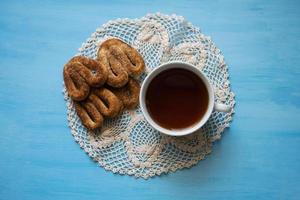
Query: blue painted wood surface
257, 158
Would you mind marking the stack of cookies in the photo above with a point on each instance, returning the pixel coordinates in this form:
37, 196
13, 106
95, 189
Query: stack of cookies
104, 87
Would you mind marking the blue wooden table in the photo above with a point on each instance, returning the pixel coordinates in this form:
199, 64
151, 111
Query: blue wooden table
257, 158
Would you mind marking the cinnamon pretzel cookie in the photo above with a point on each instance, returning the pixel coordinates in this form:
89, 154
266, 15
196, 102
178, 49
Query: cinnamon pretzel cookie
80, 73
106, 102
129, 94
121, 61
100, 103
88, 113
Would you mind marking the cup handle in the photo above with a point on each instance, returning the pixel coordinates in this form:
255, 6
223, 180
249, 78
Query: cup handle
222, 107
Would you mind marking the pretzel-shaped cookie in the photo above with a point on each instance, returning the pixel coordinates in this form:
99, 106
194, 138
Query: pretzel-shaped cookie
80, 73
121, 61
100, 103
108, 104
129, 94
89, 115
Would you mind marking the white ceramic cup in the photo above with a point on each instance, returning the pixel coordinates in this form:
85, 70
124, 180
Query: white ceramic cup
212, 105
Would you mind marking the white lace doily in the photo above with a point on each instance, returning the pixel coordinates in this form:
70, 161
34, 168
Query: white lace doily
128, 144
